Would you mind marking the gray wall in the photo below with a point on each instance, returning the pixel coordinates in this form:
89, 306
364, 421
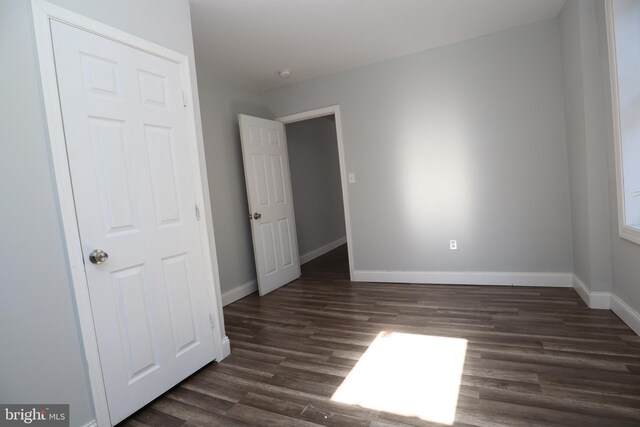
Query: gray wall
584, 113
605, 263
626, 254
463, 142
41, 360
222, 99
627, 17
315, 182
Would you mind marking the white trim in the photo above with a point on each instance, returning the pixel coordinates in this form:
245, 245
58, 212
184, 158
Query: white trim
239, 292
596, 300
625, 231
210, 259
43, 13
561, 280
335, 111
92, 423
582, 290
311, 255
226, 348
628, 315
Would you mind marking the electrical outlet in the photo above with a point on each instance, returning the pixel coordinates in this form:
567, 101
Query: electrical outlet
453, 245
352, 178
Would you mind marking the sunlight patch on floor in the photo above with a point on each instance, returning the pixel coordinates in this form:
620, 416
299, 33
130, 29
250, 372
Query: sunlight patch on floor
408, 374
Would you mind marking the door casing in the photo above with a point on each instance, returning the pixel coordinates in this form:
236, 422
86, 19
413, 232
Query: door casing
43, 13
335, 111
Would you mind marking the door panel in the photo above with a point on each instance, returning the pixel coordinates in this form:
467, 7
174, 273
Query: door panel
260, 177
114, 182
176, 279
162, 174
134, 188
278, 180
134, 318
269, 247
266, 164
285, 242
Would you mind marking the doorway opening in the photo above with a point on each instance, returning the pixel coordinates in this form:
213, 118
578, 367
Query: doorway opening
318, 180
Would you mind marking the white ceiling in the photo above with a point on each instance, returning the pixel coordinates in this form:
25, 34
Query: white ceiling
254, 39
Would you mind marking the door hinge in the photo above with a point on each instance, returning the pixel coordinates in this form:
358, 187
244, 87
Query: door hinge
211, 322
184, 98
197, 212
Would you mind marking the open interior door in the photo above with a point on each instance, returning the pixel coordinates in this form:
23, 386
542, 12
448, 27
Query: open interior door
273, 224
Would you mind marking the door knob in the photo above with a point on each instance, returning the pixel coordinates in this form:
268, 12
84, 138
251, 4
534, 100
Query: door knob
98, 256
257, 215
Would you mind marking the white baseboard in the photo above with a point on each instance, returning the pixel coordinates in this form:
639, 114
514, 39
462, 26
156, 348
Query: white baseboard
226, 347
561, 280
305, 258
238, 292
92, 423
626, 313
598, 300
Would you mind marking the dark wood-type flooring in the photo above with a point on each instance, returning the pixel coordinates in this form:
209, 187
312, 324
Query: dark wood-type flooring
535, 356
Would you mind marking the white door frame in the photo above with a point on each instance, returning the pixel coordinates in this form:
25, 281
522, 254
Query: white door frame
335, 111
43, 13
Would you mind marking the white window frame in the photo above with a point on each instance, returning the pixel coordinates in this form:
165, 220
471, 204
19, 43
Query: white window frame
625, 230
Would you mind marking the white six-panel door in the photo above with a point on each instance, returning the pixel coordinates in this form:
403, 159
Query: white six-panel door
273, 225
133, 184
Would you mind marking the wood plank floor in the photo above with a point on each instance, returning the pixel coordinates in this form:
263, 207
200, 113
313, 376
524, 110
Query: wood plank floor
535, 356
